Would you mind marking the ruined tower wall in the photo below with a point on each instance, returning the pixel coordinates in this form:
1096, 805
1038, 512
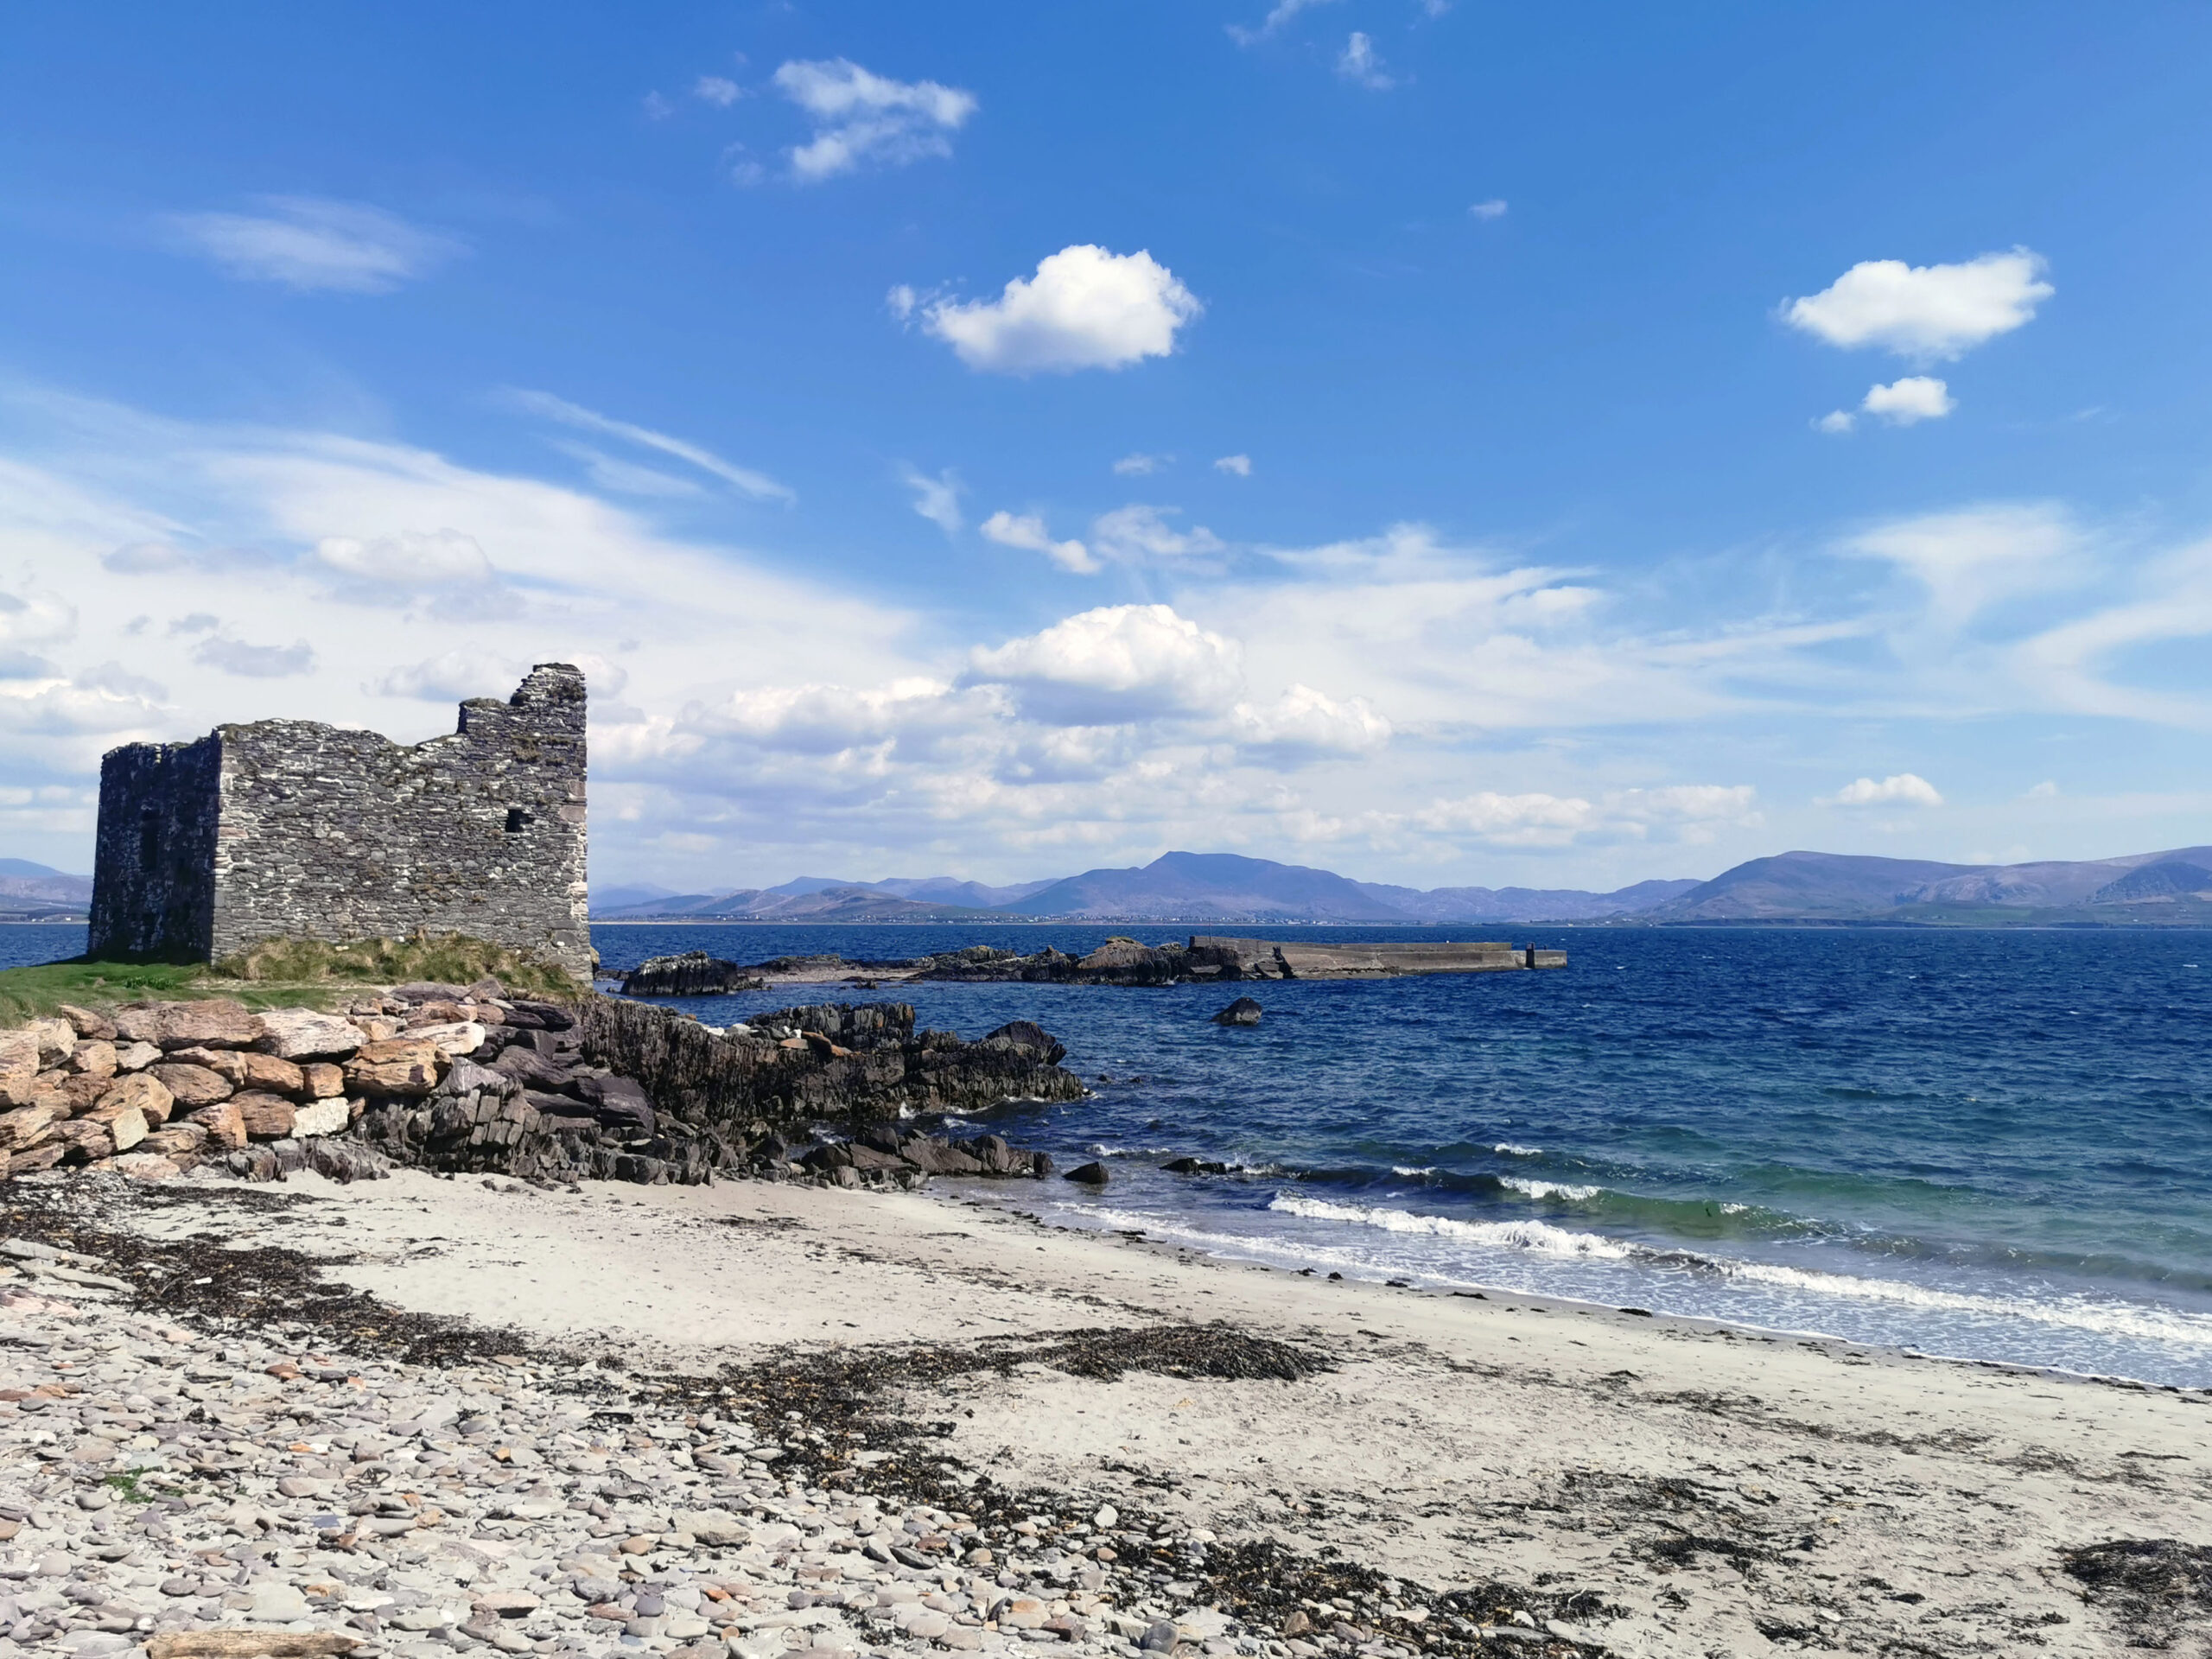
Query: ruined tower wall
154, 880
320, 833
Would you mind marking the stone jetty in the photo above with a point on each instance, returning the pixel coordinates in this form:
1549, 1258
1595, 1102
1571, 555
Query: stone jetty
1204, 959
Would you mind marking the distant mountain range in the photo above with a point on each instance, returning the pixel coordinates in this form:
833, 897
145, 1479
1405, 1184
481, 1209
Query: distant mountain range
2168, 887
35, 892
1217, 889
1209, 888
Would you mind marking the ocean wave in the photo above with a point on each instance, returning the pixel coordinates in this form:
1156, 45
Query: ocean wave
1404, 1171
1537, 1235
1567, 1190
1510, 1149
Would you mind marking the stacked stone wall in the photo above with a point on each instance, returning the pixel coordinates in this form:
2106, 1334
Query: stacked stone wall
153, 889
320, 833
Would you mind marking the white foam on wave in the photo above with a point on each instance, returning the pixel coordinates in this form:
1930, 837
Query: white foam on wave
1409, 1173
2076, 1313
1539, 1236
1533, 1189
1509, 1149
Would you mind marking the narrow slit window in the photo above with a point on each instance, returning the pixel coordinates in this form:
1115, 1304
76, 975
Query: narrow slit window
518, 820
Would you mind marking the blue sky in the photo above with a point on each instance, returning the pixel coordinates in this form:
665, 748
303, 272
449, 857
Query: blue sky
1450, 444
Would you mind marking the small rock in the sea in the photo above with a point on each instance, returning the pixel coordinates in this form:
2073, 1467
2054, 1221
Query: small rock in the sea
1090, 1174
1242, 1012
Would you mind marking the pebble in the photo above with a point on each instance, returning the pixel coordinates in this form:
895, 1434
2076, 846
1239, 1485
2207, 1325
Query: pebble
170, 1481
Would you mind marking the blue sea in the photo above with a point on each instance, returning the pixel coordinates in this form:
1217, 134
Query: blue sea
1995, 1145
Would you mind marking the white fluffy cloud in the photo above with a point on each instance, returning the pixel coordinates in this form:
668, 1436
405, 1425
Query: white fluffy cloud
717, 90
860, 116
304, 241
1305, 721
1900, 789
1235, 466
1362, 65
1085, 309
1494, 208
1140, 465
1902, 403
1116, 663
1137, 532
1027, 531
1924, 312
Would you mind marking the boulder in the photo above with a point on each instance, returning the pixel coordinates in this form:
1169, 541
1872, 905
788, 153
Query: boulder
142, 1092
1028, 1038
94, 1057
619, 1102
27, 1126
453, 1038
143, 1165
1242, 1012
319, 1080
322, 1117
218, 1022
269, 1074
135, 1057
395, 1066
304, 1034
1090, 1174
27, 1051
266, 1117
126, 1129
225, 1127
87, 1023
193, 1086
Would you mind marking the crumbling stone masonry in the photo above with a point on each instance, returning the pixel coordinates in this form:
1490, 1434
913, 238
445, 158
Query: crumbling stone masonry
290, 828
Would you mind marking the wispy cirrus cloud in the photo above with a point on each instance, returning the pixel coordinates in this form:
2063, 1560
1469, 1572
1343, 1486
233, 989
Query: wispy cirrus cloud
744, 479
312, 243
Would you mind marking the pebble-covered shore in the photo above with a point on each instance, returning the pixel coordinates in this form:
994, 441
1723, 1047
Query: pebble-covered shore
169, 1469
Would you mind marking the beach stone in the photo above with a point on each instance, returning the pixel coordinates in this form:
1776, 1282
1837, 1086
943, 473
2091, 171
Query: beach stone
136, 1057
322, 1117
266, 1117
278, 1603
142, 1093
396, 1066
319, 1080
193, 1085
92, 1059
1158, 1637
1090, 1174
226, 1128
305, 1034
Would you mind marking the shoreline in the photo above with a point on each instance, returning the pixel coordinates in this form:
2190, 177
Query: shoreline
1712, 1483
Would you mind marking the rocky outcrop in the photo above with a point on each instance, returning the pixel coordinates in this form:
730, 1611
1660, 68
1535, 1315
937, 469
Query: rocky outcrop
465, 1079
1242, 1012
693, 973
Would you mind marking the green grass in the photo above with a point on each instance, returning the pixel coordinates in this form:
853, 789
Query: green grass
276, 974
447, 958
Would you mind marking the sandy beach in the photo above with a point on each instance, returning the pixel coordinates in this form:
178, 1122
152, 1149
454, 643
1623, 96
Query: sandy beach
1722, 1491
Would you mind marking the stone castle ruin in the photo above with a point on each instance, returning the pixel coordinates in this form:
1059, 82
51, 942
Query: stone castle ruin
290, 828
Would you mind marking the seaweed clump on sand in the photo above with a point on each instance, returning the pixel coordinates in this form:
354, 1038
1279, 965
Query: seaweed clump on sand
205, 1279
2157, 1588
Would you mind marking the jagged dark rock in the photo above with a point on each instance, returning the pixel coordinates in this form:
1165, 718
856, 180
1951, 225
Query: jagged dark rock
693, 973
1090, 1174
1242, 1012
